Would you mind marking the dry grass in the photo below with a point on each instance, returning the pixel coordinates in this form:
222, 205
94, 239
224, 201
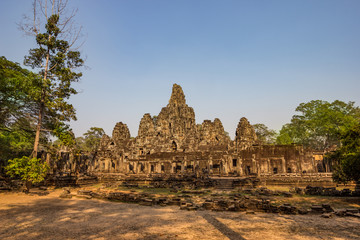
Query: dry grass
307, 201
49, 217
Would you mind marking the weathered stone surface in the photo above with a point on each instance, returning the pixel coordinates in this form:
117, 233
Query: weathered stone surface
65, 194
146, 127
104, 142
213, 134
176, 122
327, 215
172, 143
120, 134
317, 209
245, 134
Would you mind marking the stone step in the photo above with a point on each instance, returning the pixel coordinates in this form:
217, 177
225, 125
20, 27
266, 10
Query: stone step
224, 184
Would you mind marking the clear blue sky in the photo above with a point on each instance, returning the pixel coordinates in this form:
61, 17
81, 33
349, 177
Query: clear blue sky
257, 59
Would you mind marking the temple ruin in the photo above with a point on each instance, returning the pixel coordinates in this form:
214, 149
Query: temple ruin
172, 143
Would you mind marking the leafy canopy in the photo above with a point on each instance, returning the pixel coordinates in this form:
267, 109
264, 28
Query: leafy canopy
264, 134
17, 108
347, 157
56, 63
28, 169
319, 124
91, 139
17, 88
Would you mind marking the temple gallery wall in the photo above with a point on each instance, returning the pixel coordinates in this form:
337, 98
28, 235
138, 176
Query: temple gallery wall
172, 143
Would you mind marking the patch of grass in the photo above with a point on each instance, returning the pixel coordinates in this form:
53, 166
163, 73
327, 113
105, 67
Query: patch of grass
278, 187
98, 185
307, 201
157, 191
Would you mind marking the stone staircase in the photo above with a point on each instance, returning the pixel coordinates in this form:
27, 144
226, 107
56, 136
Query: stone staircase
224, 184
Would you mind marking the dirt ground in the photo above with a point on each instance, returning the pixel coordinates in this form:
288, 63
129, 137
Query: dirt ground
50, 217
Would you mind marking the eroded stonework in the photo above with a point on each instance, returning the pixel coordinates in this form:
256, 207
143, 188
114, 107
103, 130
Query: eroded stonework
172, 143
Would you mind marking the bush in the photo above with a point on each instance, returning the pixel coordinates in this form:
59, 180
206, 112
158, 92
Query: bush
31, 170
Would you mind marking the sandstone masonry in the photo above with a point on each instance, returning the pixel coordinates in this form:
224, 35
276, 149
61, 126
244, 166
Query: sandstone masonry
172, 143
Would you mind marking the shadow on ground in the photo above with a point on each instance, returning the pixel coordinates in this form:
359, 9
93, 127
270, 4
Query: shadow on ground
55, 218
50, 217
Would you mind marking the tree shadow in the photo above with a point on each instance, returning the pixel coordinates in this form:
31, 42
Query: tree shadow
277, 226
55, 218
228, 232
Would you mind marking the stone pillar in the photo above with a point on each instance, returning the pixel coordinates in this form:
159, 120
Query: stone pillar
158, 167
148, 168
253, 165
283, 165
105, 165
127, 167
225, 166
240, 166
173, 164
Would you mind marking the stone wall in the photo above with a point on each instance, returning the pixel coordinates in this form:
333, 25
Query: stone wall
172, 143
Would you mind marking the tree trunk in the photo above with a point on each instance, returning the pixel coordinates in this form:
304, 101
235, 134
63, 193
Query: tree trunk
42, 106
28, 185
38, 129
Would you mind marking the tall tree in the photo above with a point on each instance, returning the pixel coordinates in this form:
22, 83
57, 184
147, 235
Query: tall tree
347, 158
319, 124
92, 138
264, 134
16, 85
16, 109
56, 62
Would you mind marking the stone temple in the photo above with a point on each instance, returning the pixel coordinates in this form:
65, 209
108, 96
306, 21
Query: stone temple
172, 143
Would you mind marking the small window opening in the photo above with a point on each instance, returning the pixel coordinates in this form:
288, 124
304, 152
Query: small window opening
275, 170
174, 146
234, 162
216, 166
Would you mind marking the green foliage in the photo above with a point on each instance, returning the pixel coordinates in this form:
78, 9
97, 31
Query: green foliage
56, 63
16, 84
92, 138
64, 134
16, 108
286, 135
16, 88
28, 169
319, 124
264, 134
347, 157
16, 140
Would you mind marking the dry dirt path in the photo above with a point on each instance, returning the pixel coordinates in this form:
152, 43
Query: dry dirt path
50, 217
